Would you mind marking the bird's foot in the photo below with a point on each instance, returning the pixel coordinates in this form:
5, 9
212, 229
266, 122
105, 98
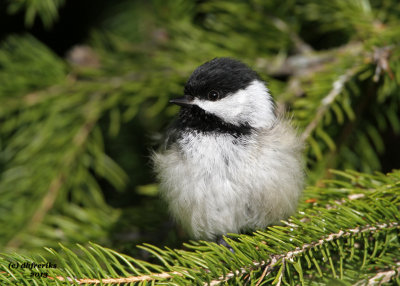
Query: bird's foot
221, 241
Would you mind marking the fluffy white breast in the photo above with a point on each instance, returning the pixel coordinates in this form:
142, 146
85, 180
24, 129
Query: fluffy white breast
252, 105
216, 184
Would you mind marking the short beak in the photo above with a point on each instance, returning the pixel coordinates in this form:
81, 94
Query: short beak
182, 101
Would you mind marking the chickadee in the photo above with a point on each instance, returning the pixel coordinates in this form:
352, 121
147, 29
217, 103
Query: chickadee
229, 163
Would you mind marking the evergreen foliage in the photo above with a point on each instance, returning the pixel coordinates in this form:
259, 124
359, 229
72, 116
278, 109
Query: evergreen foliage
74, 136
47, 10
346, 241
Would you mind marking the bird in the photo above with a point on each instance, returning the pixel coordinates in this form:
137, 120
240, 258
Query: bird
229, 162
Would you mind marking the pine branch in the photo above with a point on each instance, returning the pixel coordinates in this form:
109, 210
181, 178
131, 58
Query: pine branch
350, 126
47, 10
337, 88
49, 198
381, 277
366, 209
280, 259
46, 205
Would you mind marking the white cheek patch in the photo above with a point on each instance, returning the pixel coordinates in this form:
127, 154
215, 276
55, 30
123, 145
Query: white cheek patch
252, 105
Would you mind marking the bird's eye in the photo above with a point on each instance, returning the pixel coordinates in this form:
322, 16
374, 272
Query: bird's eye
213, 95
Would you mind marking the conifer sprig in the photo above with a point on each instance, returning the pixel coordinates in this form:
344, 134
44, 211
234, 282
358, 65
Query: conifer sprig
353, 240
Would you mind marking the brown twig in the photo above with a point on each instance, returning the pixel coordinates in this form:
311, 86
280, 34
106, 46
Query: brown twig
380, 278
131, 279
300, 45
281, 272
266, 270
303, 64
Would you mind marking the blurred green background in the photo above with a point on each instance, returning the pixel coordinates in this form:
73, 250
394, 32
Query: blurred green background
84, 90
